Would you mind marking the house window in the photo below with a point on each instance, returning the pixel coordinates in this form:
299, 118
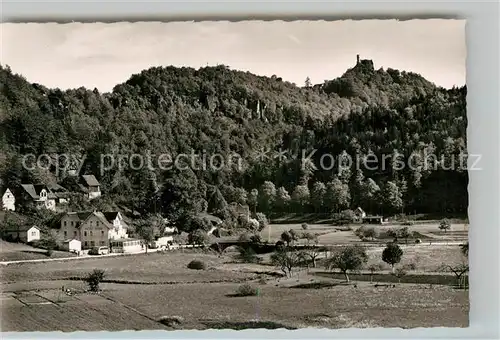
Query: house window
84, 233
71, 223
86, 243
91, 233
33, 233
102, 232
65, 233
74, 232
97, 223
92, 243
102, 243
65, 223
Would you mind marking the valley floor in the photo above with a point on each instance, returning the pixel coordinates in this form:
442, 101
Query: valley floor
141, 289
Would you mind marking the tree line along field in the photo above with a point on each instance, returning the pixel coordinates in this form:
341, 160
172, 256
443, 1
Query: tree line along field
328, 234
144, 288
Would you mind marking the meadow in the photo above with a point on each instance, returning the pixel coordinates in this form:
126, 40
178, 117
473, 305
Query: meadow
139, 290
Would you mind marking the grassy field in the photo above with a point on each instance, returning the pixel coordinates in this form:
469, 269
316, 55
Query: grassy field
329, 234
36, 312
10, 251
32, 298
152, 267
203, 306
326, 232
426, 259
140, 289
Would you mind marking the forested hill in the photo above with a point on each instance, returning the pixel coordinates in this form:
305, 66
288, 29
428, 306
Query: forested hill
215, 110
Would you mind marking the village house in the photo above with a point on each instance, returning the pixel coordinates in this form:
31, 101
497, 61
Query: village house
8, 200
61, 194
359, 214
91, 186
23, 233
92, 228
38, 195
119, 226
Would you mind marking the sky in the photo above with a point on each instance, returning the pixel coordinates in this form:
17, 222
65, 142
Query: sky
98, 55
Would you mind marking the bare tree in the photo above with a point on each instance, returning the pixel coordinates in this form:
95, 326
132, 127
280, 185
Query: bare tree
399, 273
310, 254
286, 260
373, 268
459, 270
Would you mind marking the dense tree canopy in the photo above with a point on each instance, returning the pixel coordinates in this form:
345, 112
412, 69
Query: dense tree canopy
272, 127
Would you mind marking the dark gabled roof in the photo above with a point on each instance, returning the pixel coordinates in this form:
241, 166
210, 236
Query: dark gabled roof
84, 215
56, 188
90, 180
30, 189
111, 215
33, 190
209, 217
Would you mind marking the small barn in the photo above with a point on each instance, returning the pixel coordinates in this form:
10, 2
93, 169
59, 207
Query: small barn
359, 214
72, 245
22, 233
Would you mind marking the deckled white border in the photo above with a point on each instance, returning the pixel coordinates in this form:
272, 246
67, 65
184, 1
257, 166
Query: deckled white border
483, 138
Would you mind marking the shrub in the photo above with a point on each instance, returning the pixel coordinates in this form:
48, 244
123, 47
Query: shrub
399, 273
305, 226
262, 219
360, 231
94, 279
411, 266
197, 264
255, 238
343, 218
286, 237
171, 321
247, 290
407, 223
445, 224
280, 245
252, 224
247, 255
198, 237
418, 241
244, 238
371, 233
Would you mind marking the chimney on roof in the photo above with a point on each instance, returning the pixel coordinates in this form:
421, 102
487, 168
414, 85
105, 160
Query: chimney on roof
357, 59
